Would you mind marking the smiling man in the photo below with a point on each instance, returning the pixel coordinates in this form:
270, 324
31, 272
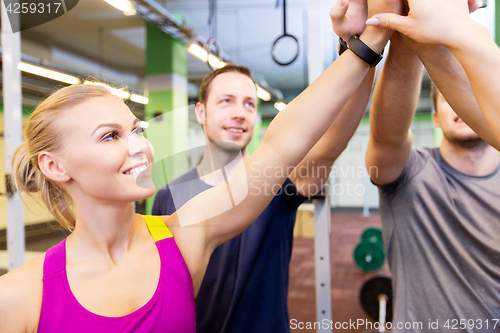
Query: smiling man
245, 288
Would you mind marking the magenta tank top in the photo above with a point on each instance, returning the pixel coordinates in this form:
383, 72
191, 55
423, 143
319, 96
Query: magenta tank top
171, 309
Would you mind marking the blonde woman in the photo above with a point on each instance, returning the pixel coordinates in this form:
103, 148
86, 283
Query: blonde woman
119, 271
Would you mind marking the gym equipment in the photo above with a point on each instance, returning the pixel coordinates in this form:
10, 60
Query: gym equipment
285, 35
12, 99
376, 300
322, 206
369, 254
212, 42
372, 233
322, 259
218, 52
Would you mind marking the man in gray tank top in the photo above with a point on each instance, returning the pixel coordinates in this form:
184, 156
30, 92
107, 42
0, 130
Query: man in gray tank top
440, 207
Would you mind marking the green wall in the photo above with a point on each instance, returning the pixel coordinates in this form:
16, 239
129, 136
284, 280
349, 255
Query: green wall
497, 22
166, 88
27, 110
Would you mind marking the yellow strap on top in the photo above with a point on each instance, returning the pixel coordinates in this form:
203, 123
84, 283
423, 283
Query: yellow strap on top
157, 227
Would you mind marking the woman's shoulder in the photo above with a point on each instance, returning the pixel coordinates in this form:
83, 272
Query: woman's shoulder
22, 280
21, 297
191, 242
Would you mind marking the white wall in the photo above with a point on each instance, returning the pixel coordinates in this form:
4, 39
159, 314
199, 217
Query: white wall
349, 182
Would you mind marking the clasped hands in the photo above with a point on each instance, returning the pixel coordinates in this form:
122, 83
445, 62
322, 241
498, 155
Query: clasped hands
424, 21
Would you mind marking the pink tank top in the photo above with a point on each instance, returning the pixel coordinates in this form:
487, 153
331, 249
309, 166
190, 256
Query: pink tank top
170, 310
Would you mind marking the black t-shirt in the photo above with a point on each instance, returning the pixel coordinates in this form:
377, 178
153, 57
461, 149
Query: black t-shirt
245, 288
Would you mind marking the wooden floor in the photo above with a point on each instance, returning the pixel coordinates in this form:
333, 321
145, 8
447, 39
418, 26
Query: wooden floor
347, 279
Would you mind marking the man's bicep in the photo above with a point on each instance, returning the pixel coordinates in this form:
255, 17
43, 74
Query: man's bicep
384, 162
416, 164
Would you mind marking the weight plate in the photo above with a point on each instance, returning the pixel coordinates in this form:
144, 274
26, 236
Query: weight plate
369, 255
369, 296
372, 233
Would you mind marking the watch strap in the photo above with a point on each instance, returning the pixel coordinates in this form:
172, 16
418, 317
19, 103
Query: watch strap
364, 52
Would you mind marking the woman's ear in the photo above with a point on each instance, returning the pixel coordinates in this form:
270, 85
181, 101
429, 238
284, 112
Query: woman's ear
200, 113
51, 167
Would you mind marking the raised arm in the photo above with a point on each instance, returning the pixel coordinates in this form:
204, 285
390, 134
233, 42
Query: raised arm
451, 80
291, 135
446, 22
481, 62
312, 173
394, 103
320, 159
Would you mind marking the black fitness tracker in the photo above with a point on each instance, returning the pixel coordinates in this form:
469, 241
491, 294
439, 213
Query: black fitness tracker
364, 52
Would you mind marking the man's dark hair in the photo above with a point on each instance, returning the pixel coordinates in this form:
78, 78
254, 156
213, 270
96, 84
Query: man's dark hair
205, 84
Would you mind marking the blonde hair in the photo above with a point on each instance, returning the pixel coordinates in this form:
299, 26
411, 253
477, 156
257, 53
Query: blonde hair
43, 133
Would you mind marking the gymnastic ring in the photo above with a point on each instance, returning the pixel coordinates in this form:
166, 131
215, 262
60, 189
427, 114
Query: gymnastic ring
274, 44
218, 51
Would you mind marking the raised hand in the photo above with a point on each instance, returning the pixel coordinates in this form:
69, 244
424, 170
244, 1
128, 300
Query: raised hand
384, 6
348, 17
429, 21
